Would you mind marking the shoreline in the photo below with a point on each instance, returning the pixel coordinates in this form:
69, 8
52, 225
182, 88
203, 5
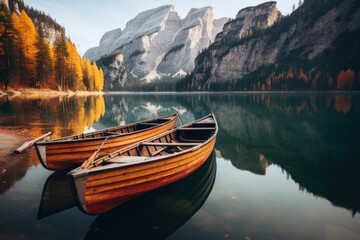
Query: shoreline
32, 92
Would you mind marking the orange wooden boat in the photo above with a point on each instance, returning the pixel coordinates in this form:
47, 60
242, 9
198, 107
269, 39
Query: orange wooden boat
159, 213
144, 166
71, 151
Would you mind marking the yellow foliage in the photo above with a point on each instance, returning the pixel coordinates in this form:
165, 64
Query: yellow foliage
28, 36
97, 78
101, 86
75, 67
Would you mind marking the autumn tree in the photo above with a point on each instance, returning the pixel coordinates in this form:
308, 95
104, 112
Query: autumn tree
101, 86
97, 78
44, 64
345, 80
60, 61
88, 75
8, 55
75, 71
28, 36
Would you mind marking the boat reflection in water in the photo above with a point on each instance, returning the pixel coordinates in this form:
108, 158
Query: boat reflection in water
57, 195
153, 215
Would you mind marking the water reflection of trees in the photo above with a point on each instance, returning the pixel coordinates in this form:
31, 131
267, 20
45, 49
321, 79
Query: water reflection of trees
35, 116
313, 137
61, 115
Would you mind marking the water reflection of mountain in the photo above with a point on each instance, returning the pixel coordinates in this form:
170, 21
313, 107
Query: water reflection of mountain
123, 109
157, 214
313, 138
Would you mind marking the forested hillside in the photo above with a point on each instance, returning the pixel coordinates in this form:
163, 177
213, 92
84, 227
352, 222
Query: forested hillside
317, 47
29, 60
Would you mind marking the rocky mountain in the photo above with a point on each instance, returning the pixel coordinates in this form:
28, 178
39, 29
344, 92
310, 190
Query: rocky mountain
114, 71
315, 48
157, 43
51, 28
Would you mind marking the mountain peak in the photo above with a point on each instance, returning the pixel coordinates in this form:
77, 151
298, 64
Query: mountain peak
158, 43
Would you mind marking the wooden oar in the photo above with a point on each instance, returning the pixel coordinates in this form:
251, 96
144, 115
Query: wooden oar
87, 163
179, 148
30, 143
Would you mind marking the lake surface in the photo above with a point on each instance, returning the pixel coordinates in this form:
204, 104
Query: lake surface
285, 166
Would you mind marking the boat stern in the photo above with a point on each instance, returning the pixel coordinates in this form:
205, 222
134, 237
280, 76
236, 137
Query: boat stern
79, 179
41, 153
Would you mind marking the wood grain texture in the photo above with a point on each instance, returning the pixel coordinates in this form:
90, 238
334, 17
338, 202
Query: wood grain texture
112, 179
63, 155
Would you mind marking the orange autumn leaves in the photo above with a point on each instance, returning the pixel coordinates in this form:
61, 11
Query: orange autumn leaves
27, 39
35, 63
345, 79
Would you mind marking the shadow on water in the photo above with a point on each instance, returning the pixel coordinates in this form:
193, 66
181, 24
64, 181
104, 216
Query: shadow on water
153, 215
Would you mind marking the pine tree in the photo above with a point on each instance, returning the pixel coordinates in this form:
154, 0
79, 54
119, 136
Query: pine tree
101, 86
8, 54
28, 36
88, 75
60, 61
75, 68
44, 65
96, 78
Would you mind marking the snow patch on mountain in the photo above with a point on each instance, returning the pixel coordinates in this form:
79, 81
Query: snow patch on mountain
157, 42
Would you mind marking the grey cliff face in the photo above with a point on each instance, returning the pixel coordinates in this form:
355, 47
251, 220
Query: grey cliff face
6, 2
236, 62
158, 43
114, 71
236, 52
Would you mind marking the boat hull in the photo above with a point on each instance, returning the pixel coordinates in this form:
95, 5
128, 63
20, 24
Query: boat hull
179, 201
99, 191
69, 154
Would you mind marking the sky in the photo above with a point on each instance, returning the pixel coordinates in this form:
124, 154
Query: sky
86, 21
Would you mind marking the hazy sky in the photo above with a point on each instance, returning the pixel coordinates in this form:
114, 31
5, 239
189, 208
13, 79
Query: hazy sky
86, 21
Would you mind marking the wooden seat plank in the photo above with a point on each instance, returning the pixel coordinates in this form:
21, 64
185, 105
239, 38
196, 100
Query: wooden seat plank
127, 159
170, 144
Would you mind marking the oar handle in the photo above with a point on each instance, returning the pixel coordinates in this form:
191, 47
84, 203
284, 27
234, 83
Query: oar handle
87, 163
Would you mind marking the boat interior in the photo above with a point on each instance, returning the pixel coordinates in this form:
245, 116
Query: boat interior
117, 131
178, 140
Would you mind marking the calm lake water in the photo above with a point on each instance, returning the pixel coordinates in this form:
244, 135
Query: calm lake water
285, 166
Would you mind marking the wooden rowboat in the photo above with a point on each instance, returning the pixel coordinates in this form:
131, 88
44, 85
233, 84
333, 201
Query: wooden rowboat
69, 152
144, 166
57, 196
159, 213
